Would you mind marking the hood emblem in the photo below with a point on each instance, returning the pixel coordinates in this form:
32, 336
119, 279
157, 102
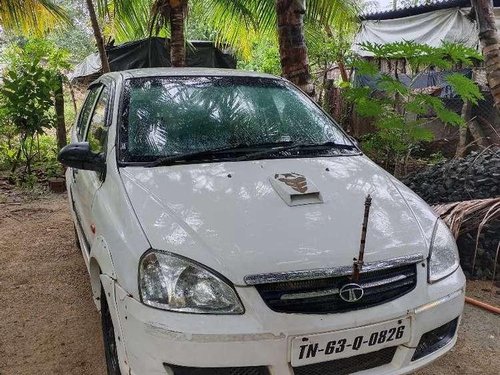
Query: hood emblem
351, 292
296, 181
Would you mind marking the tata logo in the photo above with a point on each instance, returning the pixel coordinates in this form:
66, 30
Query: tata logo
351, 292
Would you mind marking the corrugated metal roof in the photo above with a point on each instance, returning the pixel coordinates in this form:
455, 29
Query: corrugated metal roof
413, 10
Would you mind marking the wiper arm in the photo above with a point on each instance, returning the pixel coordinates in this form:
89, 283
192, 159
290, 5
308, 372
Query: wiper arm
268, 151
171, 159
293, 146
331, 144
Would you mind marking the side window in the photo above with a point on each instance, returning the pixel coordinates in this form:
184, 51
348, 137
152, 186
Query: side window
85, 112
98, 128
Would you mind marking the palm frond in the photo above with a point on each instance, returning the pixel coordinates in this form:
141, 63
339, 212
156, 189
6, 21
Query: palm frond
237, 21
30, 17
126, 19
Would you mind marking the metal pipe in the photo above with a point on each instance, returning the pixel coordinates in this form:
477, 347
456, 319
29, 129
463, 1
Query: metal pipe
358, 263
485, 306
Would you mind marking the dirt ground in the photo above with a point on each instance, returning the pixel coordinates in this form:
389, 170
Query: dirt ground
49, 325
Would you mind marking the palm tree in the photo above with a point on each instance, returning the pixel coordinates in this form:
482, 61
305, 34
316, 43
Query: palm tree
30, 16
236, 23
135, 19
490, 40
98, 37
172, 12
292, 45
287, 18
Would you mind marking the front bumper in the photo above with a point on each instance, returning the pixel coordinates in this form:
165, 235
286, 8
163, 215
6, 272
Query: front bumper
152, 338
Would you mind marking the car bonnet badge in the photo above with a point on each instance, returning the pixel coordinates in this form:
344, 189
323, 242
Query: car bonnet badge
351, 292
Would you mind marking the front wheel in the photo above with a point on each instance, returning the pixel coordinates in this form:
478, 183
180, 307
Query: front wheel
108, 333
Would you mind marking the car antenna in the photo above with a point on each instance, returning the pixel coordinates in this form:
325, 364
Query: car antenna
357, 265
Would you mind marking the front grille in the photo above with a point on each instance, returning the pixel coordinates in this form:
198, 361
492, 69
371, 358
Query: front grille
321, 296
182, 370
349, 365
435, 339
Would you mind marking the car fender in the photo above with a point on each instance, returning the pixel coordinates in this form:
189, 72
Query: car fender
100, 264
109, 285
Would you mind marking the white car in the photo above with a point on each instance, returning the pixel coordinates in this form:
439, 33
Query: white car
225, 222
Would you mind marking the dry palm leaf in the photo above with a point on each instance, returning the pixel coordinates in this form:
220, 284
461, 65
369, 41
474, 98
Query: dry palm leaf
466, 216
463, 217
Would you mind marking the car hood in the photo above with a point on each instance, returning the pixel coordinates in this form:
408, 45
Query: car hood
235, 219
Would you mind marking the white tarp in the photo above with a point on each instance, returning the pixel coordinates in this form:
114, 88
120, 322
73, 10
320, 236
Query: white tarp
90, 65
451, 25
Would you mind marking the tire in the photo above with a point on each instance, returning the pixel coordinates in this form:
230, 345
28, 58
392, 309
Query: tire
108, 334
77, 241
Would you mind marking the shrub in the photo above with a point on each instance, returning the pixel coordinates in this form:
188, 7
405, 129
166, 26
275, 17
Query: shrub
398, 110
27, 103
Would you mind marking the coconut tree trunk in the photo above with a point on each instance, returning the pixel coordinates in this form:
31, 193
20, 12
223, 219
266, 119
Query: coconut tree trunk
177, 38
292, 46
98, 37
490, 41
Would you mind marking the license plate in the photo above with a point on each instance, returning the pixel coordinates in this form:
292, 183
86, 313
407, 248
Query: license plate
350, 342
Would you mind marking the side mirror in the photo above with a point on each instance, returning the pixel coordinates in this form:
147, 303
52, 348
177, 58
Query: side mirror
79, 156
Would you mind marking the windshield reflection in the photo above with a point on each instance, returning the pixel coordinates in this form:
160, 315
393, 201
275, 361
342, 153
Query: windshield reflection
168, 116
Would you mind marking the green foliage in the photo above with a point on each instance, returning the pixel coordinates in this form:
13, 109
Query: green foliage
238, 23
325, 47
422, 56
400, 112
30, 17
264, 57
464, 87
26, 100
46, 160
75, 38
44, 52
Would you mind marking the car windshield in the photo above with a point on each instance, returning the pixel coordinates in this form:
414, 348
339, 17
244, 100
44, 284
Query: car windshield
175, 116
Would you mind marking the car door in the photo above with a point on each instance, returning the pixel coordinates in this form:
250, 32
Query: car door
86, 183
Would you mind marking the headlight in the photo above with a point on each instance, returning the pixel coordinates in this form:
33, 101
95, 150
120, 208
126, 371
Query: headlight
443, 259
171, 282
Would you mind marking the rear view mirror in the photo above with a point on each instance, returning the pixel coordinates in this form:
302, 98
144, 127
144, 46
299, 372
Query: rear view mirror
79, 156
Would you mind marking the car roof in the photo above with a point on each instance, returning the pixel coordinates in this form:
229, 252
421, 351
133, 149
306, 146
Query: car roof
180, 72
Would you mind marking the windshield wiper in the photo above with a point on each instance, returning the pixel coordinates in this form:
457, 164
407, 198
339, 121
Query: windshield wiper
297, 146
172, 159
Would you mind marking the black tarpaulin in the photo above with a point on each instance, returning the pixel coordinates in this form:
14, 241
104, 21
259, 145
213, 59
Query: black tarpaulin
151, 53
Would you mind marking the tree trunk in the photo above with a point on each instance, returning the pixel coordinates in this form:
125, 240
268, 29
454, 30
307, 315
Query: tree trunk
293, 49
342, 69
463, 132
59, 109
73, 100
490, 42
98, 37
177, 38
